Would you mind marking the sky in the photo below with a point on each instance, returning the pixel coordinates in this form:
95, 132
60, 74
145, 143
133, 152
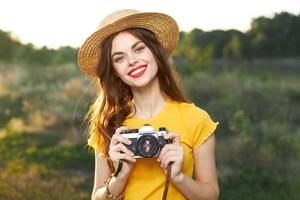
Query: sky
57, 23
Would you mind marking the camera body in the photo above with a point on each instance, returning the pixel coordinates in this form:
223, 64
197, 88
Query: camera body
146, 142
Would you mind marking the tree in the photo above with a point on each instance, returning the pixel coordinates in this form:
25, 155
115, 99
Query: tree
276, 37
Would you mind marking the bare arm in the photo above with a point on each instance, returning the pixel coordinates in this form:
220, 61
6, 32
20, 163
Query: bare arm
102, 173
205, 185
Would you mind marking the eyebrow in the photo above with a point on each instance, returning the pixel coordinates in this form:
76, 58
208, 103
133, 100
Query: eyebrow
132, 47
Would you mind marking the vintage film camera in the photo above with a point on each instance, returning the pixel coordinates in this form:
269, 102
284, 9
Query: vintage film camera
146, 142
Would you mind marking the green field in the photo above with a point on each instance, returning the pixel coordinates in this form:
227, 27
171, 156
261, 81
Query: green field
43, 152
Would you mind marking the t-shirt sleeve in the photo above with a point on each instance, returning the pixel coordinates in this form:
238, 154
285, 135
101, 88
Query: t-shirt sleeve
204, 127
96, 141
93, 142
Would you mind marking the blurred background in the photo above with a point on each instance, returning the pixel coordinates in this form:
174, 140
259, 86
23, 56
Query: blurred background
247, 76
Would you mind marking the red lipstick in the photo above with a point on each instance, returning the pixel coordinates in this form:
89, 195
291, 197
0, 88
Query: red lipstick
137, 71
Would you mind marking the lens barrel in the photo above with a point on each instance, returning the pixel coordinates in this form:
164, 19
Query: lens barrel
147, 145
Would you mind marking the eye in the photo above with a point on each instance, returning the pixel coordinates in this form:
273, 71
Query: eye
139, 49
119, 59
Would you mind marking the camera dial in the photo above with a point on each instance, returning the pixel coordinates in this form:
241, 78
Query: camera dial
146, 129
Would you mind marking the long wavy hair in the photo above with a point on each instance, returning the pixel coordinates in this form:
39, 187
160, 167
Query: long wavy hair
113, 103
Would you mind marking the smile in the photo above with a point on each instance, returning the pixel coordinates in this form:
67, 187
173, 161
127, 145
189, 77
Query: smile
138, 71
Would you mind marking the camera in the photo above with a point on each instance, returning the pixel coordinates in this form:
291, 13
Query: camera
146, 142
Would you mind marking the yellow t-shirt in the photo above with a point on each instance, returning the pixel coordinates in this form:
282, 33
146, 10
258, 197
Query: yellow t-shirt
194, 126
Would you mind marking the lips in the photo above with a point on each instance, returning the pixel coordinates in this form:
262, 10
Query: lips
137, 71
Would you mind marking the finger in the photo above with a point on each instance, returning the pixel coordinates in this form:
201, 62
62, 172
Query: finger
116, 156
123, 149
170, 159
119, 149
123, 156
178, 152
166, 148
174, 136
121, 139
118, 138
114, 139
120, 129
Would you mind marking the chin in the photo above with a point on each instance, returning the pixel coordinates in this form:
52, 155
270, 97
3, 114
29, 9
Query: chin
142, 82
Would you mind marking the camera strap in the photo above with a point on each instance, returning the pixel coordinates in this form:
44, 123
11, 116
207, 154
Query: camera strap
119, 168
167, 181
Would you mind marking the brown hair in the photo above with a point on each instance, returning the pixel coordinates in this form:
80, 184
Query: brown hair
114, 101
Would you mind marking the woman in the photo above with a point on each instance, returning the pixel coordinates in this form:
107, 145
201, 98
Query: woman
129, 58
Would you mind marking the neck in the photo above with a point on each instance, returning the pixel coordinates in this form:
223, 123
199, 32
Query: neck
148, 100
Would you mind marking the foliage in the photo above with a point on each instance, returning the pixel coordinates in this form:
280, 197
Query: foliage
36, 166
43, 99
12, 50
258, 151
42, 146
275, 37
267, 38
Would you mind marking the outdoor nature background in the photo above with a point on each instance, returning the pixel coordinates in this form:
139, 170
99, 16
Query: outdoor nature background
248, 81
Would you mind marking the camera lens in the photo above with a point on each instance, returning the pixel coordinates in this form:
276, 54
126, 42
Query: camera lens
147, 145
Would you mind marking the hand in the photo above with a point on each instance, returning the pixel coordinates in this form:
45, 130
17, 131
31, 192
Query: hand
118, 151
172, 153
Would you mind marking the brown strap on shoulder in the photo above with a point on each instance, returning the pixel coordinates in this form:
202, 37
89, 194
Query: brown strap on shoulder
167, 181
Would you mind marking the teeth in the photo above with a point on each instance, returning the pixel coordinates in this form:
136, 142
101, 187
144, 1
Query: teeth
137, 71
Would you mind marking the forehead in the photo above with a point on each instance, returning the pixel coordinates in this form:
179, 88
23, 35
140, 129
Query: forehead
123, 41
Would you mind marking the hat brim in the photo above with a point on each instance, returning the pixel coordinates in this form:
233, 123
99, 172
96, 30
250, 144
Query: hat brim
163, 26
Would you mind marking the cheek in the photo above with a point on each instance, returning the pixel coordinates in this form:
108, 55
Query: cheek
153, 62
150, 58
149, 55
117, 69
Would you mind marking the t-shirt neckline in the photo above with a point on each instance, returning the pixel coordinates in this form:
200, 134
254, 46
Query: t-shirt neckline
157, 116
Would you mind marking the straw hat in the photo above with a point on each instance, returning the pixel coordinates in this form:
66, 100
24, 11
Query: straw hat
163, 26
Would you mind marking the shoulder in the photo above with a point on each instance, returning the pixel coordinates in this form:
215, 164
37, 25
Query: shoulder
194, 117
198, 122
191, 111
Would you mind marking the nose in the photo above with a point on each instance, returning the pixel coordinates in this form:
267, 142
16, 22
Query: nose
132, 60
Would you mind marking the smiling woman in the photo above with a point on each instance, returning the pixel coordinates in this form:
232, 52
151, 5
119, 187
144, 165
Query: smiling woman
129, 56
